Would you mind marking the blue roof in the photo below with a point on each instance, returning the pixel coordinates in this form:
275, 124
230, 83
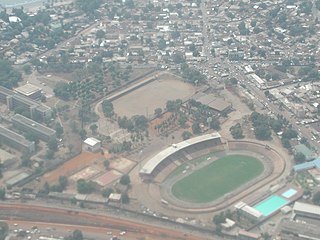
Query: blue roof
307, 165
317, 162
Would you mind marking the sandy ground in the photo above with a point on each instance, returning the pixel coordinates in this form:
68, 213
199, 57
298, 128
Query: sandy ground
75, 164
146, 99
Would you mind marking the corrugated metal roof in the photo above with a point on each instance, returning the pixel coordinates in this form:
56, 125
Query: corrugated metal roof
150, 166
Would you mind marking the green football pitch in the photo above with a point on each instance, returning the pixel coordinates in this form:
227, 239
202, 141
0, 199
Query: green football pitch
218, 178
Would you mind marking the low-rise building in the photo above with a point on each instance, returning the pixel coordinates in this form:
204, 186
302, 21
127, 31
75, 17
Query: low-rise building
29, 90
91, 144
27, 125
15, 140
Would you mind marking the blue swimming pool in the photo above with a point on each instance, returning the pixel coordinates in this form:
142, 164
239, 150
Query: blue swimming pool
289, 193
270, 205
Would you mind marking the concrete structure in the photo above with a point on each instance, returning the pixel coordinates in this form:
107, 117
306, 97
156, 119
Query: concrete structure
216, 104
245, 235
291, 230
29, 90
248, 212
27, 125
306, 210
91, 144
301, 148
17, 179
6, 159
15, 140
307, 165
150, 167
31, 107
115, 197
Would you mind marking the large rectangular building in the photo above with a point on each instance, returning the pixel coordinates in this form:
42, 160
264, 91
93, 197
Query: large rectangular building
27, 125
33, 108
15, 140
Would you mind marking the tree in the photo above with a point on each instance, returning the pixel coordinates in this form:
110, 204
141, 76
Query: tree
158, 112
2, 193
52, 144
124, 198
186, 135
125, 179
214, 124
49, 154
27, 69
9, 77
88, 6
236, 131
316, 198
63, 182
83, 133
32, 137
266, 236
100, 34
62, 91
85, 187
196, 128
93, 128
106, 192
59, 130
107, 108
4, 229
76, 235
106, 163
299, 157
25, 159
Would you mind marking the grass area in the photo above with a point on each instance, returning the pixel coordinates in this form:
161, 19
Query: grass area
218, 178
193, 162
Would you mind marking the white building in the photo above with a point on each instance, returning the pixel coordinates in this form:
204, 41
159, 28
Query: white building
91, 144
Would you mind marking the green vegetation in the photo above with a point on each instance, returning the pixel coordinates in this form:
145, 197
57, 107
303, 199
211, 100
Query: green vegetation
107, 108
76, 235
125, 180
236, 131
2, 193
61, 186
9, 77
186, 135
85, 187
316, 198
218, 178
4, 229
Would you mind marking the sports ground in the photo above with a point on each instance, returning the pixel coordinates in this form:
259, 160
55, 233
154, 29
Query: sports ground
217, 179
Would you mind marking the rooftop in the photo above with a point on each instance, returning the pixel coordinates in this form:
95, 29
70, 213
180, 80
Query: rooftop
92, 141
150, 166
213, 102
307, 208
304, 150
14, 136
27, 89
33, 124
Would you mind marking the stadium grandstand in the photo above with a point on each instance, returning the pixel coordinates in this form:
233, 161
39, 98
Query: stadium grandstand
178, 153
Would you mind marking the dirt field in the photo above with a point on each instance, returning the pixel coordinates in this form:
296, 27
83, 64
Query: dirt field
122, 164
146, 99
107, 178
72, 166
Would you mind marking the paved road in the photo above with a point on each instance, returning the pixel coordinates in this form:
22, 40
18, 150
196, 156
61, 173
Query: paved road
81, 219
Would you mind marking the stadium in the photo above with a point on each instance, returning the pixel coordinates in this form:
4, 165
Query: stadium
207, 173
